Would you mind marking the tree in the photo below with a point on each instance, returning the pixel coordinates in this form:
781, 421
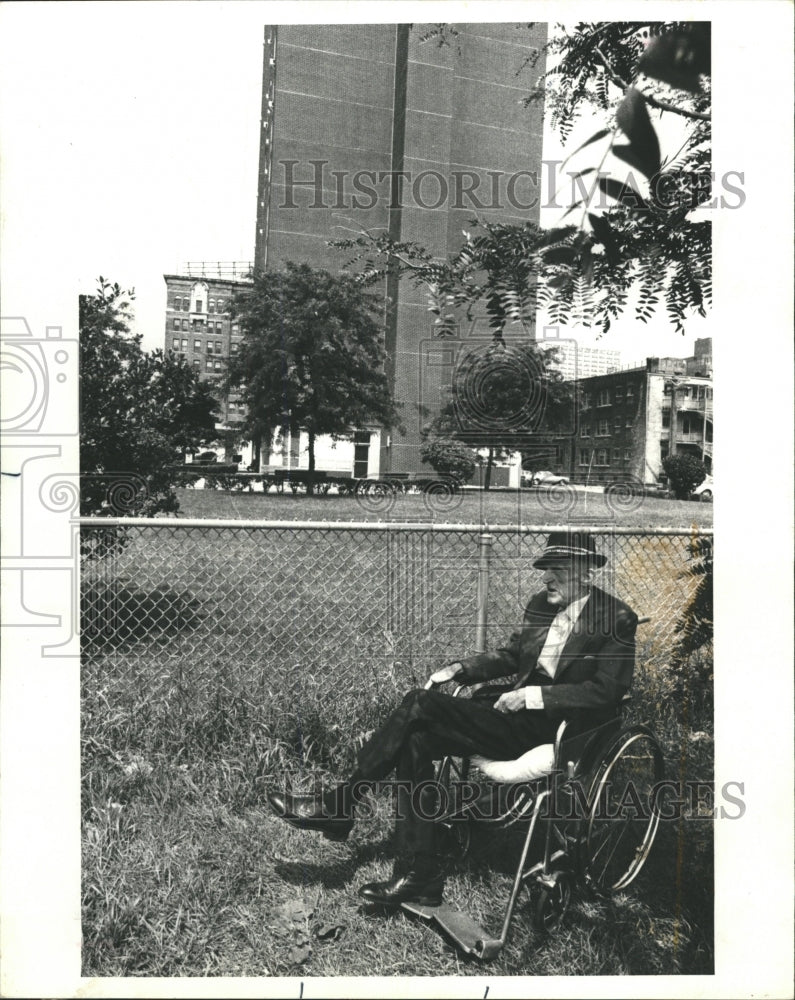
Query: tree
139, 412
505, 397
312, 355
449, 457
640, 236
684, 472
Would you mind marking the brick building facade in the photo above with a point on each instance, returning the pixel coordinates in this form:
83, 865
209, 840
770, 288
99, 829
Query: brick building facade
630, 420
368, 126
199, 327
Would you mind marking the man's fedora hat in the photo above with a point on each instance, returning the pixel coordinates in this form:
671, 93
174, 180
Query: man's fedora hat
568, 546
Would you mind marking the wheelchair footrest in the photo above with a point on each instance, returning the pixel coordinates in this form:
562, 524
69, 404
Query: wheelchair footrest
467, 934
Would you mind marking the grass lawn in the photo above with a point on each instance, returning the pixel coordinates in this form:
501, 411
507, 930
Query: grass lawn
238, 657
186, 872
532, 507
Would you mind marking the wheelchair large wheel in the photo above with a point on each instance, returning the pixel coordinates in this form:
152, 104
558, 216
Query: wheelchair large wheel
623, 814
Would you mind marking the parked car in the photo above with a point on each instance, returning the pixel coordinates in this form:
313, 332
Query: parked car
704, 491
543, 478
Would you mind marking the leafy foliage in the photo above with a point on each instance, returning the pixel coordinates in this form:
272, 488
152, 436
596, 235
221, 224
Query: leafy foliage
505, 397
684, 472
139, 412
635, 231
695, 627
449, 457
312, 355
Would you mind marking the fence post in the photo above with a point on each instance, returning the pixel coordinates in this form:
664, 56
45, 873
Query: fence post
485, 543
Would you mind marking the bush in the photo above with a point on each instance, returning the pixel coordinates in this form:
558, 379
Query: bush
449, 458
685, 473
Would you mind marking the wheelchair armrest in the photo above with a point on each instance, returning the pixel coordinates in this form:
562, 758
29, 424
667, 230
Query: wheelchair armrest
462, 682
559, 743
578, 751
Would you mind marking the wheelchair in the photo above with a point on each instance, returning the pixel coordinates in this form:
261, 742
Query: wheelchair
594, 791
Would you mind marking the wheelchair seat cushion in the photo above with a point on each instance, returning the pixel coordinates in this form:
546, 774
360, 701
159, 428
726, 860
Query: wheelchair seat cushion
534, 764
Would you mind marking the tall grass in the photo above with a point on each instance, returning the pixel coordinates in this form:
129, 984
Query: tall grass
186, 872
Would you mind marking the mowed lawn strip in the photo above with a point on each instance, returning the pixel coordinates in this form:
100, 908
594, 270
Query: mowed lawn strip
538, 507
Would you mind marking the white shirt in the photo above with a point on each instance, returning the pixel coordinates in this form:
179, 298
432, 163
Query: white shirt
559, 631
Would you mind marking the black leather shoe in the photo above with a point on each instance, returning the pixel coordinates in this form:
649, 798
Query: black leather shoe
309, 812
411, 887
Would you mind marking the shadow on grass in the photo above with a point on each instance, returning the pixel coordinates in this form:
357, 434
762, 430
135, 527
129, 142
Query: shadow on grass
336, 874
112, 615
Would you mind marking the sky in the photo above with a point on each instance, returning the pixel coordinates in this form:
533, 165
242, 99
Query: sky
134, 142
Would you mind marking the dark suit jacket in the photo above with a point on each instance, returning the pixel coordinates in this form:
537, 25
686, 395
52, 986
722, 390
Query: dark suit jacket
595, 667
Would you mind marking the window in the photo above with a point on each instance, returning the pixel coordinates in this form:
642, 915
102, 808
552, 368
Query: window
617, 423
184, 343
199, 305
184, 324
235, 328
601, 428
209, 347
667, 389
220, 305
197, 363
585, 456
586, 431
197, 345
176, 324
212, 305
234, 348
602, 457
209, 364
685, 392
175, 343
218, 328
619, 393
586, 400
630, 392
691, 424
627, 454
630, 419
217, 365
177, 302
616, 455
603, 399
198, 324
666, 418
186, 304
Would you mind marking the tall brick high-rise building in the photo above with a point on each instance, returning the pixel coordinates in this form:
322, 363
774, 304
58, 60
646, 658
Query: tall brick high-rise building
370, 126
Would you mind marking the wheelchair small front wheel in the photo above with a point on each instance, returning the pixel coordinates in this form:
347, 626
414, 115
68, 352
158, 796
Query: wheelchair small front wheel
456, 838
552, 903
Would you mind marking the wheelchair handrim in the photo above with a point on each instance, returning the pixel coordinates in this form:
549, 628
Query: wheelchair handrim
625, 741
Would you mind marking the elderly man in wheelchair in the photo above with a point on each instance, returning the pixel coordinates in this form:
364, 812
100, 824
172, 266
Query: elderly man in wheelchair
554, 736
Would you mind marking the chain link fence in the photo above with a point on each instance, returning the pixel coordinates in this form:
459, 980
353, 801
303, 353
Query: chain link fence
266, 610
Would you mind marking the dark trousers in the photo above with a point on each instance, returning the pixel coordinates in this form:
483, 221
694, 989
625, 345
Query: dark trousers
429, 725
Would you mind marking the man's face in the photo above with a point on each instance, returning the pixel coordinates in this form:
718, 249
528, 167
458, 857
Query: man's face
566, 582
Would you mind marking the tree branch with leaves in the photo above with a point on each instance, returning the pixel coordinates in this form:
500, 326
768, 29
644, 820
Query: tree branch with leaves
636, 237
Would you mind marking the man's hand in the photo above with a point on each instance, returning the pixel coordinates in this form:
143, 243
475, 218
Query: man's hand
511, 701
446, 673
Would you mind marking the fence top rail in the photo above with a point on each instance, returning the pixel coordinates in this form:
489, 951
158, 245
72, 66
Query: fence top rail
426, 526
